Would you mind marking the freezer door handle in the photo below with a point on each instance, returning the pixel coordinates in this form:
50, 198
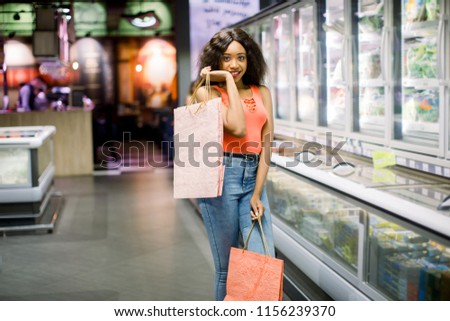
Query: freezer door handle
382, 52
441, 47
344, 60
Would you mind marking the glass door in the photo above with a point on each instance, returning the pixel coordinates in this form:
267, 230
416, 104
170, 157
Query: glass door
372, 42
282, 45
420, 94
446, 59
16, 166
306, 52
264, 39
407, 265
336, 62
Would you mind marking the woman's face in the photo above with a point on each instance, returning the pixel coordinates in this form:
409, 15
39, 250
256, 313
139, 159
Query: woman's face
234, 60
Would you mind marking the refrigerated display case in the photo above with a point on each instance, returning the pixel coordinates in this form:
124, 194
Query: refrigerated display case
365, 76
374, 71
26, 177
395, 250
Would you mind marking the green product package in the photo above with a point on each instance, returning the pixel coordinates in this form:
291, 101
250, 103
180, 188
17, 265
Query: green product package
383, 159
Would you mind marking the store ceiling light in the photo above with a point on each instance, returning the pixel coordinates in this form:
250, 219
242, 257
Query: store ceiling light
144, 20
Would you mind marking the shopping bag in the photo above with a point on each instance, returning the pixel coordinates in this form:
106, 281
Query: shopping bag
253, 276
198, 152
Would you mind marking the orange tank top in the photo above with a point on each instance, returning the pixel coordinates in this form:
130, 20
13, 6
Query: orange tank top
255, 117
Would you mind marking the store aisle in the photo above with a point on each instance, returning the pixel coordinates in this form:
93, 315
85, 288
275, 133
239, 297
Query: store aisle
117, 238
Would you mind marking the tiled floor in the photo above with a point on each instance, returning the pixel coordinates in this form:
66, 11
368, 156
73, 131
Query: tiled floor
118, 237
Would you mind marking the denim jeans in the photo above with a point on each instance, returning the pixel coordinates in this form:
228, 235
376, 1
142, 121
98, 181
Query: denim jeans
228, 216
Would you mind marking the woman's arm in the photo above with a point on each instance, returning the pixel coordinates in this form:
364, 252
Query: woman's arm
233, 115
266, 151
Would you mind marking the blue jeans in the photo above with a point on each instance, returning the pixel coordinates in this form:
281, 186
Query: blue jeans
227, 216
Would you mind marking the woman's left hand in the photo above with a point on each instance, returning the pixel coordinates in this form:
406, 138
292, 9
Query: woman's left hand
257, 208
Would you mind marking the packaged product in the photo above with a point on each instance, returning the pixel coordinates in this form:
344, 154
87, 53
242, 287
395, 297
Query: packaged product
410, 271
428, 107
421, 105
370, 7
372, 102
414, 10
311, 229
432, 285
368, 24
370, 64
346, 239
421, 61
432, 9
433, 251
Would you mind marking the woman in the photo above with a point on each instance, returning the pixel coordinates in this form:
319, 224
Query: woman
236, 68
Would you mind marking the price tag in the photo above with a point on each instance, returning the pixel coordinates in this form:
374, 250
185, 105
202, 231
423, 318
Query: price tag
401, 161
447, 172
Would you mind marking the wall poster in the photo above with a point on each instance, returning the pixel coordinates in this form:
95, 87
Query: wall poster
209, 16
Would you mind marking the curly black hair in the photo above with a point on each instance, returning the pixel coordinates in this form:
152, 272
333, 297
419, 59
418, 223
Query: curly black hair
212, 52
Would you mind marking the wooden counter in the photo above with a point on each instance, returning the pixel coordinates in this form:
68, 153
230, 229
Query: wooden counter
73, 150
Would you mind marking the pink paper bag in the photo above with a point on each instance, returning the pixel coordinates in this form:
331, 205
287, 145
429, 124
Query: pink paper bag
253, 276
198, 157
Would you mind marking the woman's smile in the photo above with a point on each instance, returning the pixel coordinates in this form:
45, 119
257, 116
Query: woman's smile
235, 74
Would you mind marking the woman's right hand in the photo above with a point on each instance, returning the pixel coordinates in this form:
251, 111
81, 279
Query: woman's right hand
215, 75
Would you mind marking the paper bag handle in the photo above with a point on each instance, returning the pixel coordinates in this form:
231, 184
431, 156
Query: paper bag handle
266, 248
192, 100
